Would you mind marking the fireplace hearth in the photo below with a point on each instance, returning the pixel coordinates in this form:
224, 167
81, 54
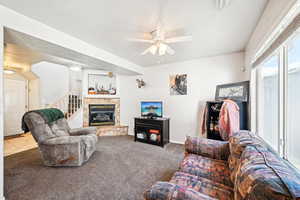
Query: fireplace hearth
101, 114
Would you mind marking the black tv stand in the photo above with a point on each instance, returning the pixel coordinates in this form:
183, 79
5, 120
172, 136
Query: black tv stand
154, 118
152, 130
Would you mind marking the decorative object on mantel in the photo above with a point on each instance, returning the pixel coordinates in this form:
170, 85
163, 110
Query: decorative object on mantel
140, 83
178, 84
102, 84
110, 74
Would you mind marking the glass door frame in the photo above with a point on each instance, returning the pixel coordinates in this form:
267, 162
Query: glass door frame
283, 61
259, 99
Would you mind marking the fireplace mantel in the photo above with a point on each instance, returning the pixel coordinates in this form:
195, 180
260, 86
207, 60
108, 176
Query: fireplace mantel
101, 97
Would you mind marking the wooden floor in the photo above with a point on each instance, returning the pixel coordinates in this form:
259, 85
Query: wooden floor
16, 144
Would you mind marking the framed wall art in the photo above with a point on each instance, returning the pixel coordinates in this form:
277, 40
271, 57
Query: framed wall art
178, 84
234, 91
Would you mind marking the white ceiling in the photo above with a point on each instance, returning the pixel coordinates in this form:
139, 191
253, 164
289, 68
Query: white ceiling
109, 24
22, 50
17, 57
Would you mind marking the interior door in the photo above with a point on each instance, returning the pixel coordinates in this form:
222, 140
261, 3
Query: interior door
14, 105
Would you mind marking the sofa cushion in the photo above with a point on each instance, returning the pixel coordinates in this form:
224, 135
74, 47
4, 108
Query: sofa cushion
263, 175
208, 148
237, 144
203, 185
212, 169
239, 141
171, 191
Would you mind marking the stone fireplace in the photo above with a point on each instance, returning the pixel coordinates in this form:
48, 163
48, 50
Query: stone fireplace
104, 114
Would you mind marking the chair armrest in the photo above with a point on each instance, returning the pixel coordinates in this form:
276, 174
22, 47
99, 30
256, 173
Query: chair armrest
83, 131
167, 191
63, 140
209, 148
62, 151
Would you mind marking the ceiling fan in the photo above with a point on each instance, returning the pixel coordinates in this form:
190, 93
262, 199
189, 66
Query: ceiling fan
160, 42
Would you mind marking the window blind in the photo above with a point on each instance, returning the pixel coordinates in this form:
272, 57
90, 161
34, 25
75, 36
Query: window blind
286, 34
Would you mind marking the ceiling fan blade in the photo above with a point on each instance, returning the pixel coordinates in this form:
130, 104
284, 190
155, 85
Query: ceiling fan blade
170, 51
140, 40
179, 39
160, 32
146, 51
158, 29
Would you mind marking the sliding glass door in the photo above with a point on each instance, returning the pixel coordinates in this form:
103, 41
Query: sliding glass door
269, 100
278, 100
293, 101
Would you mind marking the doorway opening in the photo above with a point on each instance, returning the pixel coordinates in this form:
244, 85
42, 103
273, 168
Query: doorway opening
15, 105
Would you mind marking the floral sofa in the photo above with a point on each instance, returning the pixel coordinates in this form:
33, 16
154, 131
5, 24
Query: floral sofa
245, 167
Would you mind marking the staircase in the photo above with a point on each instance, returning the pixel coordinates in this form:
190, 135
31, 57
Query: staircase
69, 104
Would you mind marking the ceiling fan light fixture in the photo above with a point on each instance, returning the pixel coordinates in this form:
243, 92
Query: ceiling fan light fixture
222, 3
160, 43
8, 71
153, 49
76, 68
162, 49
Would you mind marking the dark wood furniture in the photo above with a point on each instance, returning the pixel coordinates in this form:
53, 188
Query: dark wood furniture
213, 113
152, 131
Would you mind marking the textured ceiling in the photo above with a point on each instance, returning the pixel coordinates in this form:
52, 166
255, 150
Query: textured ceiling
109, 24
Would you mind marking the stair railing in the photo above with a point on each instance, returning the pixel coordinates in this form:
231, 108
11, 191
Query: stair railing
68, 104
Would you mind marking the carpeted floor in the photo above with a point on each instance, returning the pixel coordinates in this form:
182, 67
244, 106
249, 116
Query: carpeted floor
120, 169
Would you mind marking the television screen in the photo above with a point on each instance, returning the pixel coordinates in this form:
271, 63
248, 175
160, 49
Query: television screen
151, 109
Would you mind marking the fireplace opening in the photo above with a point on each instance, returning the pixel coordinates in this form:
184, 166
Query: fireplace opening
101, 114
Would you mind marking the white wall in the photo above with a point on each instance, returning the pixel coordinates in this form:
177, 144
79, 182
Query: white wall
185, 111
54, 81
76, 121
34, 94
1, 113
75, 82
129, 101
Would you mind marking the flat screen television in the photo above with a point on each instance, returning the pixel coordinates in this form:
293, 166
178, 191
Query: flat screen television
151, 109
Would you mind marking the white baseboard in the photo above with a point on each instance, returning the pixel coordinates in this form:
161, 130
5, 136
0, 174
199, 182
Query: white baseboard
176, 142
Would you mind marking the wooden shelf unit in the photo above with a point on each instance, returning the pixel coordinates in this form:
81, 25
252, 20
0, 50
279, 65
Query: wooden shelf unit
152, 131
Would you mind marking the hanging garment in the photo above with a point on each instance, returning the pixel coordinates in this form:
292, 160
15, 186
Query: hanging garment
204, 120
229, 119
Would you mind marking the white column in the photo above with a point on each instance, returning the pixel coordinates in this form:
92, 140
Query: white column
1, 112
